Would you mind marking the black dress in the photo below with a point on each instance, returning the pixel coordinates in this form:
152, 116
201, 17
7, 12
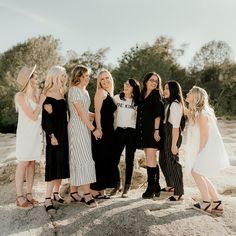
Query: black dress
103, 149
149, 108
57, 160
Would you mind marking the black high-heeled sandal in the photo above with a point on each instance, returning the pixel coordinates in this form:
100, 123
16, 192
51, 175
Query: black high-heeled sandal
173, 199
59, 200
216, 209
74, 199
91, 202
49, 208
207, 209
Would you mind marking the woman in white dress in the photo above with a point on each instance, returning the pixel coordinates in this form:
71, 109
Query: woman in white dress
205, 151
82, 167
28, 138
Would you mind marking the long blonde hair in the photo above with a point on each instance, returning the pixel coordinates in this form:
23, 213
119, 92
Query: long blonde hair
111, 91
52, 79
200, 104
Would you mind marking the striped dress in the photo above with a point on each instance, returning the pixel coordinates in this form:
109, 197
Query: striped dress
82, 167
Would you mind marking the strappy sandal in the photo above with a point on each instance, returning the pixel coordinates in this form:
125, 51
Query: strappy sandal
91, 202
57, 198
31, 200
206, 210
216, 209
49, 207
25, 205
173, 199
100, 196
74, 199
170, 190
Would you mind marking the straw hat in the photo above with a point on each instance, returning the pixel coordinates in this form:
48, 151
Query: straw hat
24, 76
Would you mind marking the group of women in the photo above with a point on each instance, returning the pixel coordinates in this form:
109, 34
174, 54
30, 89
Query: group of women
86, 147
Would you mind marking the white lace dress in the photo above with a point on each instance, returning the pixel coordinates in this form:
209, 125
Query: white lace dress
28, 135
213, 157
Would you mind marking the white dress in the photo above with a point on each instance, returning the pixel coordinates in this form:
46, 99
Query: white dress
28, 135
213, 157
82, 166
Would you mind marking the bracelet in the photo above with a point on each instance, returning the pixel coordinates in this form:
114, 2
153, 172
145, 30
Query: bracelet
93, 129
156, 129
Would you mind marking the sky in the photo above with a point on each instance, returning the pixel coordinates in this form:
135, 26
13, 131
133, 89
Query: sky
119, 24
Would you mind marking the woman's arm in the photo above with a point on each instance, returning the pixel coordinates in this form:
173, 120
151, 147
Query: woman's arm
175, 136
32, 114
203, 126
156, 128
98, 100
85, 119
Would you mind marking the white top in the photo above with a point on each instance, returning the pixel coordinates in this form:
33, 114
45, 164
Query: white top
213, 156
176, 113
126, 113
28, 135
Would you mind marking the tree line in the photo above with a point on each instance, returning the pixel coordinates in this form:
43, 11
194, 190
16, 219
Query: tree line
212, 68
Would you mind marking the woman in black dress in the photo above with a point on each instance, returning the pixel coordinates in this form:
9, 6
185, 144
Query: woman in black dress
149, 128
103, 148
54, 123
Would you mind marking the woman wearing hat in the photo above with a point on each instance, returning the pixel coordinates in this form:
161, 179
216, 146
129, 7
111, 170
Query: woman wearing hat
28, 139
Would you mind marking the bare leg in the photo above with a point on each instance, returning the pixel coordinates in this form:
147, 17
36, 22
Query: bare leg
19, 177
49, 188
30, 176
203, 188
151, 159
57, 184
213, 194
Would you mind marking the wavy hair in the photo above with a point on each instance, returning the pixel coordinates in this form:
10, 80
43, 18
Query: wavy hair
77, 72
200, 103
54, 74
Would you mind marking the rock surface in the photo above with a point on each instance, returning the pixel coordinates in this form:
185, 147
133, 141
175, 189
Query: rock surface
119, 216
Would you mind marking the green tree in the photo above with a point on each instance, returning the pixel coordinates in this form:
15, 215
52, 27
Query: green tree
160, 57
212, 54
93, 60
43, 51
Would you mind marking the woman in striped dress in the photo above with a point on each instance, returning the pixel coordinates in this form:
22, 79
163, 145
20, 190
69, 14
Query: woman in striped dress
82, 168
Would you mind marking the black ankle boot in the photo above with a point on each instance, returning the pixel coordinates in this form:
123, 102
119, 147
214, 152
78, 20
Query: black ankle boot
151, 172
157, 187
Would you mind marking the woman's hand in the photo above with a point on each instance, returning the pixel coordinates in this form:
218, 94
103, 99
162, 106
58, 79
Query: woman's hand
157, 136
48, 108
97, 134
174, 150
54, 141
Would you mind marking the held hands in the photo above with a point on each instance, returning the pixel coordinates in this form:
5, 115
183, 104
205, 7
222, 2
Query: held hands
157, 136
97, 134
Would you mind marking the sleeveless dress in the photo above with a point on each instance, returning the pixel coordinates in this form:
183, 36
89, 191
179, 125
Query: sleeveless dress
213, 157
28, 135
57, 156
82, 168
103, 149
